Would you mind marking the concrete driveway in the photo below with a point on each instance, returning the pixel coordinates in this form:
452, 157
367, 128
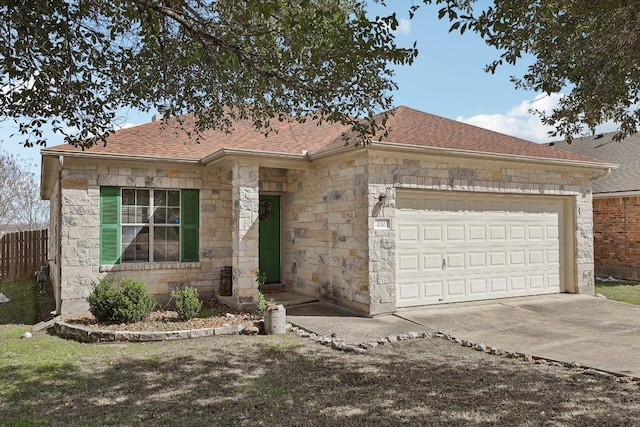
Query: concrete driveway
589, 331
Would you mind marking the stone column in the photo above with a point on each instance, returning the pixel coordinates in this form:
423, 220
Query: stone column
245, 196
382, 249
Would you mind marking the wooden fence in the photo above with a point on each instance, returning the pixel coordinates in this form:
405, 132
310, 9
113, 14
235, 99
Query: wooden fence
22, 254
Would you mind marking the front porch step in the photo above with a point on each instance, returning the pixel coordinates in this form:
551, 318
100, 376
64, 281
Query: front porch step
286, 298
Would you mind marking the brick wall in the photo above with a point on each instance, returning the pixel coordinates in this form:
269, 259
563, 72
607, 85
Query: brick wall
617, 237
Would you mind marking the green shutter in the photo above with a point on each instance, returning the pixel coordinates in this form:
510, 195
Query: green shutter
109, 225
190, 225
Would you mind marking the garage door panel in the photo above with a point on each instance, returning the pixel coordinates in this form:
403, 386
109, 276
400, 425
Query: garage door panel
478, 206
498, 285
432, 233
498, 259
536, 257
474, 247
535, 232
517, 258
456, 288
455, 206
408, 294
432, 262
497, 233
433, 290
454, 261
408, 233
477, 259
478, 286
517, 232
409, 262
455, 233
536, 281
477, 233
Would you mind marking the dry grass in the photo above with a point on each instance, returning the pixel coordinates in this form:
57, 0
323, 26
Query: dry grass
291, 381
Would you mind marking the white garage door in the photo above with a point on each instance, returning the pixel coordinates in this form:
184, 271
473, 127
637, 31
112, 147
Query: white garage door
464, 247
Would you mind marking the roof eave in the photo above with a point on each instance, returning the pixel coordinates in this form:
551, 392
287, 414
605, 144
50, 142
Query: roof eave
409, 148
121, 157
227, 156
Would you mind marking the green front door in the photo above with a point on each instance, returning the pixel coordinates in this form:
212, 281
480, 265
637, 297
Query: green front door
269, 242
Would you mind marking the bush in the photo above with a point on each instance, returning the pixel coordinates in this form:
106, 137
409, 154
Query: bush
133, 303
102, 300
188, 303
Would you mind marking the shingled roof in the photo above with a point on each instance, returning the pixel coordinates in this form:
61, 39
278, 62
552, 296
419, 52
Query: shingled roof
406, 126
625, 153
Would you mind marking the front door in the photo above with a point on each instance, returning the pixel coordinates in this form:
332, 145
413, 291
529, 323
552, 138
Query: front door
269, 241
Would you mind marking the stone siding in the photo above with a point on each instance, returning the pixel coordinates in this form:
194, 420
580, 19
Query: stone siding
325, 228
390, 172
80, 238
338, 234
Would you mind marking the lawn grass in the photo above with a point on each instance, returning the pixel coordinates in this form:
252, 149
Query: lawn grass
628, 292
291, 381
23, 307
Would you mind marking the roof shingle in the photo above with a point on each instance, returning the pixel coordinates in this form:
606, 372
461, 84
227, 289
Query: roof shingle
406, 126
625, 153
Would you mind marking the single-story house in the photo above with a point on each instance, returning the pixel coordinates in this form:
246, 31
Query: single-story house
438, 212
616, 204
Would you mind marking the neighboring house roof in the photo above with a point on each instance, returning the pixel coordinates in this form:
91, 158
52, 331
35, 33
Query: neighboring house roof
406, 126
626, 153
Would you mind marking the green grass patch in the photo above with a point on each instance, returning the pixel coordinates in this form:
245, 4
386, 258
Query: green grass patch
628, 292
23, 308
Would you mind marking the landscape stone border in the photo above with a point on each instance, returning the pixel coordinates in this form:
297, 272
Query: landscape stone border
338, 344
90, 335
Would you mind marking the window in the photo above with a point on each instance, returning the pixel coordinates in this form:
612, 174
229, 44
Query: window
145, 225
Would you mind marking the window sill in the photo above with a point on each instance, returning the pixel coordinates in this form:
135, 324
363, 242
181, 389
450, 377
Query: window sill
149, 266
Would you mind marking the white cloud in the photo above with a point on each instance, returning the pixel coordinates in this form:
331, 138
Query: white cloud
523, 123
404, 26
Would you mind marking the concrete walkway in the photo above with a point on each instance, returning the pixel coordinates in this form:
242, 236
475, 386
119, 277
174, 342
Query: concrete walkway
589, 331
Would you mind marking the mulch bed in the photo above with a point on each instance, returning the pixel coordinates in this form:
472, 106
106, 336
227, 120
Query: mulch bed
166, 319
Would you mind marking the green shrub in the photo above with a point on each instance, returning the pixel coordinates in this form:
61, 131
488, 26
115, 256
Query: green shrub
102, 300
188, 303
133, 303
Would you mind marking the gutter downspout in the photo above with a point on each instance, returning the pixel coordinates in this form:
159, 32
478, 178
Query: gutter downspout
59, 227
603, 175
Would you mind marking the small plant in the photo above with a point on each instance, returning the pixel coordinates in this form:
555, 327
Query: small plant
263, 303
261, 278
133, 303
188, 303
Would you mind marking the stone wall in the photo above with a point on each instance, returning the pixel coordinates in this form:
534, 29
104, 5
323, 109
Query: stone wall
617, 237
79, 260
325, 229
390, 172
338, 235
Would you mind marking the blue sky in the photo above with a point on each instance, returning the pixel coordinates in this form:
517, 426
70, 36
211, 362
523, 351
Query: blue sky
447, 79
